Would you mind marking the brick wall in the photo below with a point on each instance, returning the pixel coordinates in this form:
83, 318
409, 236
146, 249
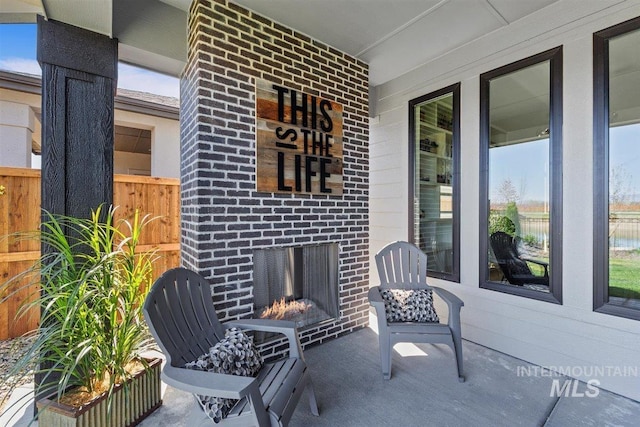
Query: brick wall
224, 218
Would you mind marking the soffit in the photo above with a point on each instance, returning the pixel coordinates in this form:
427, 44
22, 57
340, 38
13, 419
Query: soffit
394, 37
132, 140
125, 139
151, 33
624, 61
92, 15
521, 99
19, 11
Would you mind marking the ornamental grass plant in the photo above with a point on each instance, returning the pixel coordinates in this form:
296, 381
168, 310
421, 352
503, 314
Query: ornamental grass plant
91, 280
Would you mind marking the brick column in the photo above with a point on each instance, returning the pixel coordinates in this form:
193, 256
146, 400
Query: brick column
224, 217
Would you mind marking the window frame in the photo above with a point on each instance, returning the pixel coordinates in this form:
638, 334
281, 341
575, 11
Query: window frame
554, 56
453, 89
601, 123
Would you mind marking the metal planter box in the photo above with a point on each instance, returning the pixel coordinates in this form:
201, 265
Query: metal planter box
128, 408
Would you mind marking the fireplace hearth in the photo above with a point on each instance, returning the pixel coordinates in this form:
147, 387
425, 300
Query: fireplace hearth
303, 312
296, 283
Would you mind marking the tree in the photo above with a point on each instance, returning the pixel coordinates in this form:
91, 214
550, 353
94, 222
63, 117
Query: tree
511, 212
619, 194
619, 186
508, 191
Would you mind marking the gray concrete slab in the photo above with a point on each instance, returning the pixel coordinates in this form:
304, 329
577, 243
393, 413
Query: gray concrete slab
424, 391
576, 408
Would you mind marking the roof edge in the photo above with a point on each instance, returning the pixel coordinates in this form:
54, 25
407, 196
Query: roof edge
33, 84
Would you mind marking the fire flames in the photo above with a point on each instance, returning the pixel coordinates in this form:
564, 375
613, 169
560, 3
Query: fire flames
285, 310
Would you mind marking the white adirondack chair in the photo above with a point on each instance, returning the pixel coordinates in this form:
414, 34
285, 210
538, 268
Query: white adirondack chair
402, 265
180, 313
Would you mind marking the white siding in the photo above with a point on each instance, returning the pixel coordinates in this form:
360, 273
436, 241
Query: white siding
388, 180
568, 335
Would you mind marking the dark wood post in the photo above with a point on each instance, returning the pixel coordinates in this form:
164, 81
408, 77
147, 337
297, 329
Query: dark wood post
79, 78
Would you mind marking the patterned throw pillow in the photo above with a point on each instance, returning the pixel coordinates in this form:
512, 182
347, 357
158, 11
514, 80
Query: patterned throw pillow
236, 354
409, 305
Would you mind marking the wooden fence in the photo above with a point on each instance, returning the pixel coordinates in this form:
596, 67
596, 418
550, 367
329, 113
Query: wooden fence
20, 211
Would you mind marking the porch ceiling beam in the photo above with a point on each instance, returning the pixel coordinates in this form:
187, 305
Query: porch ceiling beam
93, 15
20, 11
150, 33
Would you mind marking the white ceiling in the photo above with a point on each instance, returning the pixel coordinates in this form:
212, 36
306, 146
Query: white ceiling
392, 36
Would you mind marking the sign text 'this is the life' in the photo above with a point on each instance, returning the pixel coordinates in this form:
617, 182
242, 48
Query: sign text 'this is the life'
315, 138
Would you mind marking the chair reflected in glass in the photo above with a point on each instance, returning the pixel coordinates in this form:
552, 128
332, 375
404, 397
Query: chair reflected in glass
514, 267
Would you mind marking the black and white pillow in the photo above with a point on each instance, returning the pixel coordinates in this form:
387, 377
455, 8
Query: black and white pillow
409, 305
236, 354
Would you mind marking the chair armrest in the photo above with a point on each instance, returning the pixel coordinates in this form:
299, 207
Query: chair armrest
540, 263
454, 304
209, 383
376, 301
264, 325
535, 261
285, 327
374, 296
452, 301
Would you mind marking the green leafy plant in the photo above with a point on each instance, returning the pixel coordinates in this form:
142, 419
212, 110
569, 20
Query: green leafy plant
511, 212
92, 282
507, 221
530, 240
499, 222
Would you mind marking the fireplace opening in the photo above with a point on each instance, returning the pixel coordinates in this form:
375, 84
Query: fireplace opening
299, 284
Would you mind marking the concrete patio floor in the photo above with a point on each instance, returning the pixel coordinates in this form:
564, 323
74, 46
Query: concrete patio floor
424, 391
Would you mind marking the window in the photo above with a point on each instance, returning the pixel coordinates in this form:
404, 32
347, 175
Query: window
520, 177
132, 150
434, 184
616, 250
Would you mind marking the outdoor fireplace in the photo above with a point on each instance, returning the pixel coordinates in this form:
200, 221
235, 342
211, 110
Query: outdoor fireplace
296, 283
229, 221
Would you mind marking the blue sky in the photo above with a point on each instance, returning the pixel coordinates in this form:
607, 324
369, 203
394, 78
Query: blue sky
624, 155
625, 149
18, 53
525, 164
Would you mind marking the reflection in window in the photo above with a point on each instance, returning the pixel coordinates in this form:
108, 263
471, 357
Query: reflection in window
519, 213
617, 274
624, 214
434, 136
520, 141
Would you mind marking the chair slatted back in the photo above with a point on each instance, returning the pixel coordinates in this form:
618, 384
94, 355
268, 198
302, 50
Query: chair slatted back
402, 265
180, 313
505, 248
